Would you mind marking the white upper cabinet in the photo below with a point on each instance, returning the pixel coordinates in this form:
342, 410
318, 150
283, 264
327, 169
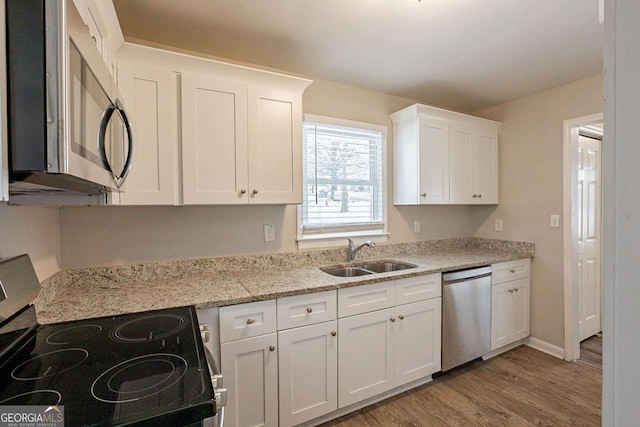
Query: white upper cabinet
444, 157
231, 134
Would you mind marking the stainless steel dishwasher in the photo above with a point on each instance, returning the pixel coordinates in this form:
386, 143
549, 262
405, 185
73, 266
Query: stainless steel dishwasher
466, 316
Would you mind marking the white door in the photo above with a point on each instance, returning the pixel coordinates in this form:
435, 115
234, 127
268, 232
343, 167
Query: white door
275, 146
418, 332
151, 103
308, 372
461, 140
434, 161
250, 370
589, 243
366, 361
214, 141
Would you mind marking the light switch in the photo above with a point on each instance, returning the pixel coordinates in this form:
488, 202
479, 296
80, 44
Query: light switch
555, 221
498, 225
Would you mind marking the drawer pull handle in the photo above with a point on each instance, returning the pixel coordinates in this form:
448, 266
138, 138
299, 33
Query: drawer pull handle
272, 348
513, 271
309, 309
334, 333
393, 319
250, 321
401, 317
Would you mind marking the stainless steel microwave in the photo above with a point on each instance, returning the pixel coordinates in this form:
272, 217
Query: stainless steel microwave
68, 129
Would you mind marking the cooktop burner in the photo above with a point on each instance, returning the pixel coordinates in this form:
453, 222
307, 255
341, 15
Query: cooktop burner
114, 370
73, 334
149, 328
49, 364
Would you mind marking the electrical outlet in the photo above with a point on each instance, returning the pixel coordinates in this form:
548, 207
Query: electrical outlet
555, 221
498, 225
269, 233
416, 227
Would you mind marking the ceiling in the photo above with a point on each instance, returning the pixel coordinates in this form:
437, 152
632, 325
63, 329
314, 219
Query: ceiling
459, 54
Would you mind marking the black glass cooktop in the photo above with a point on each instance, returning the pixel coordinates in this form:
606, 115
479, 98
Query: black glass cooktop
135, 369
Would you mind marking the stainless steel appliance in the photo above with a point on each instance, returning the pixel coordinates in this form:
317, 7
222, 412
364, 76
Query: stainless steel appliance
139, 369
466, 316
68, 130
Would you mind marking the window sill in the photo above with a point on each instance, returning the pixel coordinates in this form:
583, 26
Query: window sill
337, 240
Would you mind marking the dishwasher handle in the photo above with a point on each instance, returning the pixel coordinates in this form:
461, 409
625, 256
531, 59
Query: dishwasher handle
467, 274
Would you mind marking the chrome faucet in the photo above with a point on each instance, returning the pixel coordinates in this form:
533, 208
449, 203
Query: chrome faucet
352, 249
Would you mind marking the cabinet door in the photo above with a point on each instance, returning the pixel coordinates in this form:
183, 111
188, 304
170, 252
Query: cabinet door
151, 100
366, 362
275, 146
308, 372
418, 332
485, 167
250, 370
461, 165
214, 141
509, 312
518, 310
434, 161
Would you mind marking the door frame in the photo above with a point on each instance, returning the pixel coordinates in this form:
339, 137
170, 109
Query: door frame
570, 233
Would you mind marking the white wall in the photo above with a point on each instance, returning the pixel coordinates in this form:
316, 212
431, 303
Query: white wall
114, 235
621, 156
531, 144
31, 230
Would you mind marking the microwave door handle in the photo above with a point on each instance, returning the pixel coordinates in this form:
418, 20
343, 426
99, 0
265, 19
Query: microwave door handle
102, 132
129, 162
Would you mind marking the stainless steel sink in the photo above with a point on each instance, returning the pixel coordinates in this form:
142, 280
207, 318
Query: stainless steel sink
346, 271
367, 268
387, 266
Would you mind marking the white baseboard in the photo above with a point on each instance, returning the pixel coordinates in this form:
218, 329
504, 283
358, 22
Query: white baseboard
545, 347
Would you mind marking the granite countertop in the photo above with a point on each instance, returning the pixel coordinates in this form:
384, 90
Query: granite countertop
106, 291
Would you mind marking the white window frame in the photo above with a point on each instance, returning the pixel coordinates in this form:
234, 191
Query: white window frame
338, 238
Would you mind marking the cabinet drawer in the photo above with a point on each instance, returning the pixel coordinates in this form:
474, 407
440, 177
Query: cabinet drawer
247, 320
307, 309
510, 270
418, 288
361, 299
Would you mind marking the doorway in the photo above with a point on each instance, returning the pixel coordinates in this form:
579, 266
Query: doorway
582, 232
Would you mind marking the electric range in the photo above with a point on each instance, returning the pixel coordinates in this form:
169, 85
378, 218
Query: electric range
137, 369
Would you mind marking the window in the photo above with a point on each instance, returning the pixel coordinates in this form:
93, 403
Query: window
343, 179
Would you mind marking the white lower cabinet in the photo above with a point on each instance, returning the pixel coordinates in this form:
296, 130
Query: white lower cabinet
366, 359
418, 332
314, 364
250, 370
510, 307
308, 372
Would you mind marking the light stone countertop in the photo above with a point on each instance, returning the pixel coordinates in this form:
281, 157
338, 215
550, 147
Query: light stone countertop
106, 291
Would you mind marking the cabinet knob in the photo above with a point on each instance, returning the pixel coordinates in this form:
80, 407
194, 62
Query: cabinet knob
309, 309
272, 348
250, 321
401, 317
393, 319
423, 194
243, 191
515, 290
479, 196
513, 271
254, 191
474, 196
334, 333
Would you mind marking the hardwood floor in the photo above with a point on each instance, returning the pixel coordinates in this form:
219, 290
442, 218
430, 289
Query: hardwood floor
522, 387
591, 350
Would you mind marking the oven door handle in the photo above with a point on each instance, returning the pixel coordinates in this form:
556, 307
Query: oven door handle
216, 381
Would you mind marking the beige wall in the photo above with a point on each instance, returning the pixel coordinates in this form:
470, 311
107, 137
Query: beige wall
31, 230
531, 143
114, 235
